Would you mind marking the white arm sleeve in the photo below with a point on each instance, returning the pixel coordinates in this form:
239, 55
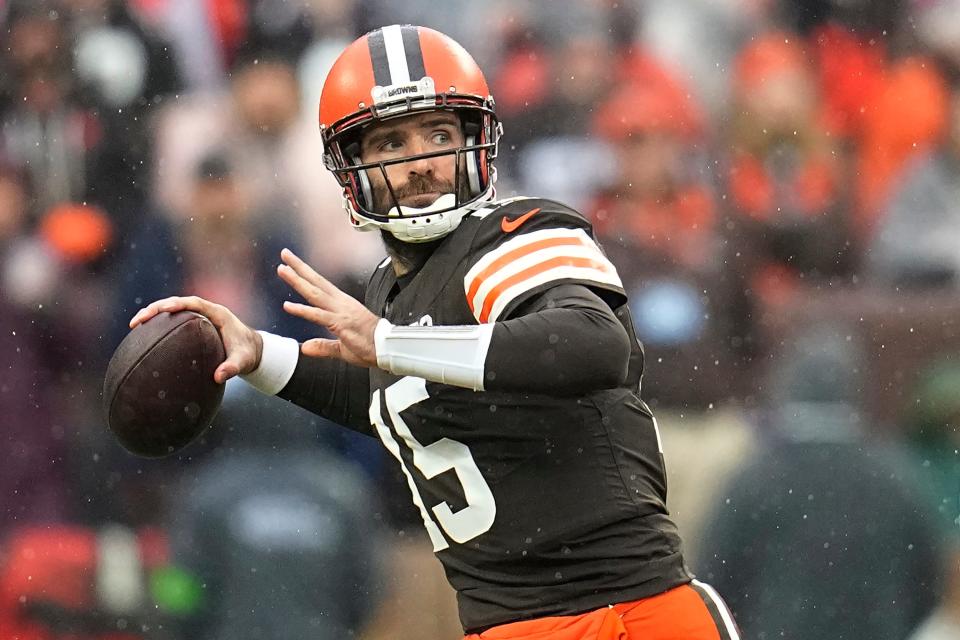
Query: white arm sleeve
452, 355
277, 363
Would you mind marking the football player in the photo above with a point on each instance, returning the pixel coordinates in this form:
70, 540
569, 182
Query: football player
494, 356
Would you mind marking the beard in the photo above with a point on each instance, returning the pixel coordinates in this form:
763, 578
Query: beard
410, 256
417, 185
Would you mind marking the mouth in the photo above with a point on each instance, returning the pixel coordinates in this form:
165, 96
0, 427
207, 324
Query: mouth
420, 200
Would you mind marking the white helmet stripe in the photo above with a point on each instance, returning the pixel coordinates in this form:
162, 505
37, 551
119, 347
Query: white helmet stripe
396, 56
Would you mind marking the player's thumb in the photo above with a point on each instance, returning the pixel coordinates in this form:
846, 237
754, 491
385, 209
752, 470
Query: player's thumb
321, 348
227, 369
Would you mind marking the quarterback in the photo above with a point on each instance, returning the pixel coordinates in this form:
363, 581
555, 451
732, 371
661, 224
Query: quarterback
494, 356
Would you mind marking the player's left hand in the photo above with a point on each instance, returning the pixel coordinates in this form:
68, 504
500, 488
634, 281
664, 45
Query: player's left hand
345, 316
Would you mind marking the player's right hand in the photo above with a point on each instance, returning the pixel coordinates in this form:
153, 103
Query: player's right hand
243, 345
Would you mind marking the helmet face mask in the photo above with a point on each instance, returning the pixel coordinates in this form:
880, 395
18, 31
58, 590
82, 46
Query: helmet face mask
469, 179
382, 199
352, 104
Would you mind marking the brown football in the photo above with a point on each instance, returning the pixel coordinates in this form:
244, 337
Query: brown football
159, 393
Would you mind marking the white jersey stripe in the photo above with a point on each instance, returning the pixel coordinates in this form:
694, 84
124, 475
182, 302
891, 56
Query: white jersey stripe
523, 240
396, 57
532, 259
721, 607
557, 273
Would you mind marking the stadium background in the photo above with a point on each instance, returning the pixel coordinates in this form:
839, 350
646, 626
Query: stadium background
778, 182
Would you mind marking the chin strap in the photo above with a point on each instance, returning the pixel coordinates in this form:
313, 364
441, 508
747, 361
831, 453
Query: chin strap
453, 355
412, 224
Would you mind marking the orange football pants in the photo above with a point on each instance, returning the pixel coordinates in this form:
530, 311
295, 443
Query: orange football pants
689, 612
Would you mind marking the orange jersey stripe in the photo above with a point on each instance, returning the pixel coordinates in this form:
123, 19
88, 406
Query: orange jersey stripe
510, 256
561, 261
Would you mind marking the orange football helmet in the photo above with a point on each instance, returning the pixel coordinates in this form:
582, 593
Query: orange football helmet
392, 72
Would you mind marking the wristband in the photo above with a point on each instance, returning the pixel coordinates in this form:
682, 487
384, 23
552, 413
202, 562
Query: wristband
277, 363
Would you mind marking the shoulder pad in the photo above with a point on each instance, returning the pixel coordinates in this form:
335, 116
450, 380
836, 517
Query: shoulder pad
525, 245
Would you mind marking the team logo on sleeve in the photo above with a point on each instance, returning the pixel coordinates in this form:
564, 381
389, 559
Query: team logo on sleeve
530, 260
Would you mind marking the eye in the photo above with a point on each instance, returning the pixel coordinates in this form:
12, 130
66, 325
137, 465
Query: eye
390, 145
441, 138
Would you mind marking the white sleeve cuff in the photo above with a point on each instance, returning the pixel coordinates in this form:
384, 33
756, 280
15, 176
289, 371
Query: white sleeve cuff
277, 363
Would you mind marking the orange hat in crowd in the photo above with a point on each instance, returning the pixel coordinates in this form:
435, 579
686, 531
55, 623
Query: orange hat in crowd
78, 233
908, 116
651, 100
766, 57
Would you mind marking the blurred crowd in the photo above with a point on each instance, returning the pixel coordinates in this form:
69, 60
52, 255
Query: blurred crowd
778, 182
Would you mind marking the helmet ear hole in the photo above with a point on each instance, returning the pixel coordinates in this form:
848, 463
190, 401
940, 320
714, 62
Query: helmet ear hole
366, 191
473, 167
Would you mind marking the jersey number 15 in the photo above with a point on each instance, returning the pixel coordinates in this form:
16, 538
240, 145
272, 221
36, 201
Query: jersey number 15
431, 460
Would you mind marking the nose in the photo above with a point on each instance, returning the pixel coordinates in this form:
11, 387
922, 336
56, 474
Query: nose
421, 166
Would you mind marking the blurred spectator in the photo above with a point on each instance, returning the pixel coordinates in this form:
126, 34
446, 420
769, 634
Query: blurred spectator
251, 126
554, 154
61, 275
121, 62
73, 240
583, 71
44, 129
210, 36
81, 78
786, 187
32, 483
274, 154
919, 232
879, 92
522, 84
862, 16
938, 28
122, 71
282, 534
83, 584
53, 292
822, 534
657, 221
933, 435
548, 93
221, 251
908, 117
547, 89
280, 25
333, 19
851, 69
659, 203
849, 43
700, 38
206, 36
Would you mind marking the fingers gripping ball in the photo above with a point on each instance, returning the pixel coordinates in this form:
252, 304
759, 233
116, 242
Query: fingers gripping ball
159, 393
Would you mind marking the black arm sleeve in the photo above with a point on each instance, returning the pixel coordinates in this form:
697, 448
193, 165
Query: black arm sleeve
565, 340
333, 389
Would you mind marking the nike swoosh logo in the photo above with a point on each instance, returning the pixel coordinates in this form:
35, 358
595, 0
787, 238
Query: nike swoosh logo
512, 225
